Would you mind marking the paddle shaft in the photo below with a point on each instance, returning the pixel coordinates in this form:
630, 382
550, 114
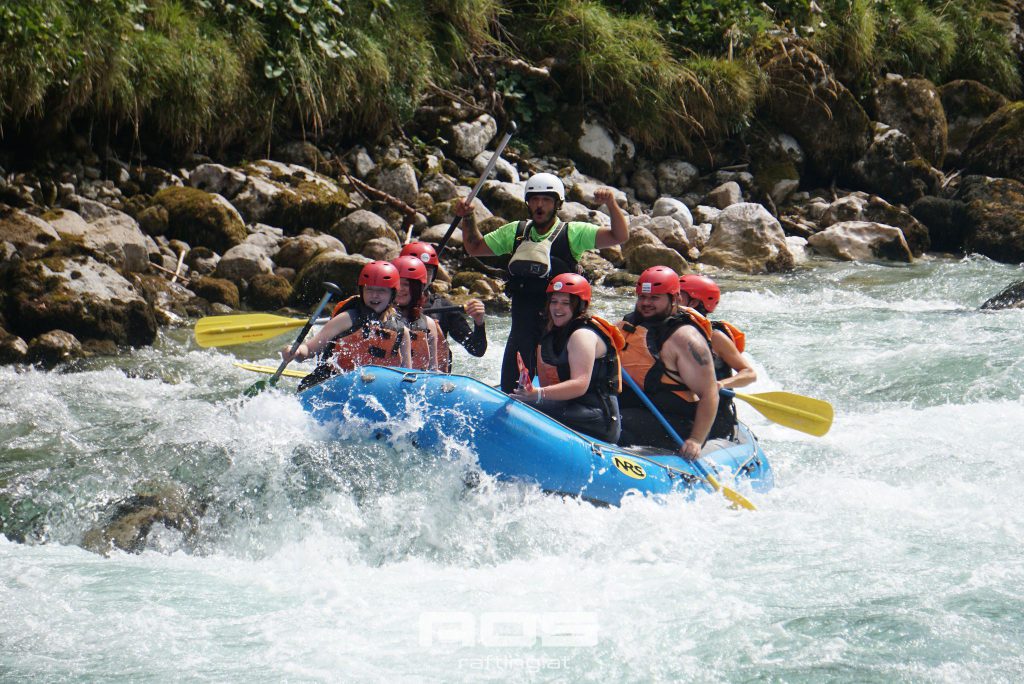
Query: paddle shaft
487, 172
302, 334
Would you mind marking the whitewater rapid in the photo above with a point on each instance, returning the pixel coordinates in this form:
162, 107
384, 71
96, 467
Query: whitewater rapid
890, 549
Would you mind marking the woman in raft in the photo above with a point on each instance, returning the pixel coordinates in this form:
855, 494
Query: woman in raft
577, 363
363, 330
427, 344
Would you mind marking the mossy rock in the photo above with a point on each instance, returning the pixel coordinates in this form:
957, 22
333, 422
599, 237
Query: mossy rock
913, 106
80, 295
308, 205
201, 218
331, 266
997, 147
995, 207
268, 292
216, 290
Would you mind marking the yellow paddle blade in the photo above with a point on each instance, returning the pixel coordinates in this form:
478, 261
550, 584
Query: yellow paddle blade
805, 414
737, 499
270, 370
224, 331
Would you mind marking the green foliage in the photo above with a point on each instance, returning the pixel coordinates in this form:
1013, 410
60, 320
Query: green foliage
718, 27
936, 39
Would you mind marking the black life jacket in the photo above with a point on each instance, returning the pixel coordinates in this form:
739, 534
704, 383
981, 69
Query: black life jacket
561, 261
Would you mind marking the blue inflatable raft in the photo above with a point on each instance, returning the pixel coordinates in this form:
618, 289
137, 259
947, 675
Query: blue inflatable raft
513, 441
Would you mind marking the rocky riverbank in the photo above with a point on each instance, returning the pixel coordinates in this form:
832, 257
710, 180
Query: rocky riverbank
96, 253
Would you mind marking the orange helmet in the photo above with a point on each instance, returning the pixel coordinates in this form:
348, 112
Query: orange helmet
658, 280
424, 251
701, 288
411, 267
379, 274
570, 283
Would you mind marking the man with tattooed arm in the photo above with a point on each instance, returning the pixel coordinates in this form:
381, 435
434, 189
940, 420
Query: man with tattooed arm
668, 354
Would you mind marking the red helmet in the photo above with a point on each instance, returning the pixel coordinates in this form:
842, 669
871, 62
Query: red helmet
411, 267
701, 288
379, 274
570, 283
658, 280
424, 251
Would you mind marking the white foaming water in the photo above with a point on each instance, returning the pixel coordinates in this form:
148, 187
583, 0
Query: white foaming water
889, 551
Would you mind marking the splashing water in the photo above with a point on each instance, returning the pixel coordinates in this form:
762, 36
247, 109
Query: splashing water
890, 549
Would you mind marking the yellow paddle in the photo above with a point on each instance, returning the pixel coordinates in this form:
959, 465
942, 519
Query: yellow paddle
270, 370
805, 414
224, 331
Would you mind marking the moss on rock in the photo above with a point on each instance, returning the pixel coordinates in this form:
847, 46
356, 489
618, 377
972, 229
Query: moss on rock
201, 218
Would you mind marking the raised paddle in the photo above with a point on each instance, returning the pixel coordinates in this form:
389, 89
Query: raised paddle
483, 176
731, 494
261, 385
224, 331
805, 414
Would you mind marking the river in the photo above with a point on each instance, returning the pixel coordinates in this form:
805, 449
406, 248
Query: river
892, 549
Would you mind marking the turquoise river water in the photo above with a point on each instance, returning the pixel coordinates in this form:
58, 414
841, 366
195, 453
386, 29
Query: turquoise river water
891, 550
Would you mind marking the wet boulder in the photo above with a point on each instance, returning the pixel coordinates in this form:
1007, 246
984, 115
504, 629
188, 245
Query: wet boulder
676, 177
470, 138
997, 147
1010, 298
218, 179
746, 237
996, 210
645, 184
892, 166
504, 170
644, 256
291, 197
28, 234
81, 295
914, 107
967, 104
130, 521
725, 195
268, 292
947, 221
861, 241
397, 179
359, 227
860, 206
776, 160
331, 266
666, 229
504, 199
243, 262
216, 291
117, 235
201, 218
13, 349
602, 153
53, 348
296, 252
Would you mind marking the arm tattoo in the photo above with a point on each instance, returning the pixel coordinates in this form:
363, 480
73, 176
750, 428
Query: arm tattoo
699, 354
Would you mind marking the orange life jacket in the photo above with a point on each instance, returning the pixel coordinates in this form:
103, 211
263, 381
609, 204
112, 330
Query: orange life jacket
421, 331
732, 332
606, 377
370, 341
641, 353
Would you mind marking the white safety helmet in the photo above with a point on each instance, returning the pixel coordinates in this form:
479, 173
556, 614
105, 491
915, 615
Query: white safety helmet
545, 183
